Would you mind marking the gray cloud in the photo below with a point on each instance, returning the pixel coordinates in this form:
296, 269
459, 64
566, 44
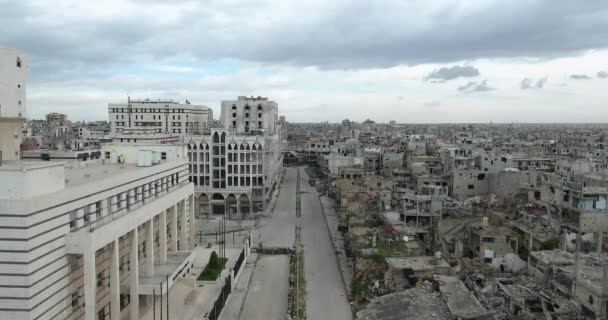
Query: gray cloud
579, 77
68, 40
528, 83
432, 104
451, 73
474, 86
602, 74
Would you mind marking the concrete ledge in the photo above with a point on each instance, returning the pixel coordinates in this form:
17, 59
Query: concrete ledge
92, 239
176, 266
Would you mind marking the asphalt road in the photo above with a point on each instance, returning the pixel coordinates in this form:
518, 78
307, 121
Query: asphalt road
267, 295
279, 229
326, 297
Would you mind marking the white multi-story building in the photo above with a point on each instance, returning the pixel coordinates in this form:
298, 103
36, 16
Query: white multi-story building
80, 243
13, 77
159, 116
90, 240
235, 169
249, 113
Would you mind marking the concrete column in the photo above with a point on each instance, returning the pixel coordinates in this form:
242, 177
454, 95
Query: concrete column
114, 202
92, 212
90, 285
115, 281
184, 226
173, 228
130, 199
145, 192
238, 208
250, 208
191, 239
162, 237
104, 208
150, 247
79, 218
600, 240
134, 275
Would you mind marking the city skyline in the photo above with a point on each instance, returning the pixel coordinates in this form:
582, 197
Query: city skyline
457, 61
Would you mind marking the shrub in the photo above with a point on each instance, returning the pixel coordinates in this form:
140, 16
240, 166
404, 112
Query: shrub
213, 269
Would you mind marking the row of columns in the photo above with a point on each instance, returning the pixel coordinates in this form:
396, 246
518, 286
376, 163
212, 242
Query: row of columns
122, 201
181, 211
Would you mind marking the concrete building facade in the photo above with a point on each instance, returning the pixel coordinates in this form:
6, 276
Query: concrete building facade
14, 70
91, 242
232, 171
159, 116
249, 113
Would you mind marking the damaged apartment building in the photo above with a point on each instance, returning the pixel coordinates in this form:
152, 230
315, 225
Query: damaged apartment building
507, 208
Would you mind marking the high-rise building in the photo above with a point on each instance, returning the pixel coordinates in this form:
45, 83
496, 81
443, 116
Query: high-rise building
235, 169
249, 113
13, 77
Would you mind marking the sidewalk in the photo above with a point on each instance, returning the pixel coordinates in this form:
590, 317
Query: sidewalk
236, 301
331, 217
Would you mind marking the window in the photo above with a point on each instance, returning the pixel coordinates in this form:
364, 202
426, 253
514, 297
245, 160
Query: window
471, 187
75, 300
234, 114
125, 299
163, 156
18, 62
100, 280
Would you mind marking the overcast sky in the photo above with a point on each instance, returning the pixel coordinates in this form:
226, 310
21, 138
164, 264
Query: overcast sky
410, 61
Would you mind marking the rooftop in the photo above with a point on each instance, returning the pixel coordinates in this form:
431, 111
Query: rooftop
417, 263
411, 304
30, 179
460, 301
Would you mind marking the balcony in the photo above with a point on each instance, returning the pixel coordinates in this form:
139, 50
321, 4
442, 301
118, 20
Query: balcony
178, 264
106, 229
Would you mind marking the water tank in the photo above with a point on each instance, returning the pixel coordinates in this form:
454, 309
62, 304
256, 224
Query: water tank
144, 158
155, 157
113, 157
171, 155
